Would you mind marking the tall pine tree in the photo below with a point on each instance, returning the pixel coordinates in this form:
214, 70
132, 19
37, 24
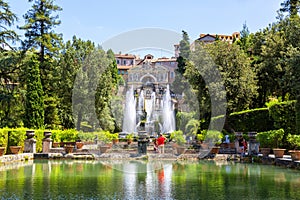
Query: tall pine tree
7, 19
40, 22
40, 36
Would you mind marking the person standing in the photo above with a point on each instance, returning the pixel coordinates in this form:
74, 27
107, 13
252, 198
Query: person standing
161, 143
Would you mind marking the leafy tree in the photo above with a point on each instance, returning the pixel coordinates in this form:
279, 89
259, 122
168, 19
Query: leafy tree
11, 89
7, 19
71, 60
184, 52
107, 88
245, 40
234, 67
290, 6
34, 104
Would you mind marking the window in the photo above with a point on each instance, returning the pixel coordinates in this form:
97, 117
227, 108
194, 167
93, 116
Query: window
172, 74
124, 62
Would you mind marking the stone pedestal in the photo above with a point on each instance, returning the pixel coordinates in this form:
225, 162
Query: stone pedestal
143, 142
30, 142
47, 142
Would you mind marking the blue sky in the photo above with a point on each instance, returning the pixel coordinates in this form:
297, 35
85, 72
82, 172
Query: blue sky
99, 21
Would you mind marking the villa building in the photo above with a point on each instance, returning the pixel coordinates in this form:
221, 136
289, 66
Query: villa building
209, 38
126, 61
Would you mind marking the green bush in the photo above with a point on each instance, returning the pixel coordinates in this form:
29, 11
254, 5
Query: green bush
86, 136
69, 135
178, 137
294, 141
284, 116
39, 136
3, 137
251, 120
16, 137
212, 136
271, 139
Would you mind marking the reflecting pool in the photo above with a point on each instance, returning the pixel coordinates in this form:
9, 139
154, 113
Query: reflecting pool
45, 179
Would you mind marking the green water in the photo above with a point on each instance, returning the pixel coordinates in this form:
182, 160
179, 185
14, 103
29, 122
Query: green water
147, 180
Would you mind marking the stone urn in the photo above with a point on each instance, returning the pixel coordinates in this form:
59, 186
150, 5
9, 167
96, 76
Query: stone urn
278, 153
15, 149
295, 155
265, 151
2, 150
30, 134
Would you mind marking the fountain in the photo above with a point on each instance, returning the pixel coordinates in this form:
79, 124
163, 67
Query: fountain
150, 109
168, 113
129, 120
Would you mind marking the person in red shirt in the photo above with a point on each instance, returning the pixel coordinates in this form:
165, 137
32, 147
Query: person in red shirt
161, 143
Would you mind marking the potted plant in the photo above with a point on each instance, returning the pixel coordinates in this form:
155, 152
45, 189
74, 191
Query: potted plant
276, 137
264, 143
56, 138
129, 138
2, 144
214, 139
180, 140
115, 138
16, 138
294, 141
106, 141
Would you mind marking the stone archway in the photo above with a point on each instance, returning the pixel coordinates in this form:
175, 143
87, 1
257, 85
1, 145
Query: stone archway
148, 78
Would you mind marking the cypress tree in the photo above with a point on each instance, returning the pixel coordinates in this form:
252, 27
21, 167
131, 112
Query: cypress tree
34, 103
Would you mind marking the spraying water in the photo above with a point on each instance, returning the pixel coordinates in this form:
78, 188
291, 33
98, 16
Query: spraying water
168, 113
129, 120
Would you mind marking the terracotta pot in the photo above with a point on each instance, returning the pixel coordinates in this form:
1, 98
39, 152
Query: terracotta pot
295, 155
265, 151
279, 153
103, 149
180, 150
2, 149
69, 149
79, 145
55, 144
115, 141
15, 149
214, 150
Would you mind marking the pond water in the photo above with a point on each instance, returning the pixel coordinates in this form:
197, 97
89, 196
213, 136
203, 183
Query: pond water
45, 179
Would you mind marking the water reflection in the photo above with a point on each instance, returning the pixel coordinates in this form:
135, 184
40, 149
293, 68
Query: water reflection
146, 180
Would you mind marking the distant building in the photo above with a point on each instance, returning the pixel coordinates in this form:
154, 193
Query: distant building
126, 61
208, 38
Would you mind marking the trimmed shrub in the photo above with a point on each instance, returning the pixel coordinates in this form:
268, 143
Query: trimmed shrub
284, 116
251, 120
271, 139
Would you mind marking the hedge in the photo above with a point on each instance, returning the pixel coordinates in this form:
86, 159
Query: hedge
251, 120
277, 116
283, 116
17, 136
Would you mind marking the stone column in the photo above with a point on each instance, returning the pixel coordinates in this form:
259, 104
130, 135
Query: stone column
30, 142
47, 142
